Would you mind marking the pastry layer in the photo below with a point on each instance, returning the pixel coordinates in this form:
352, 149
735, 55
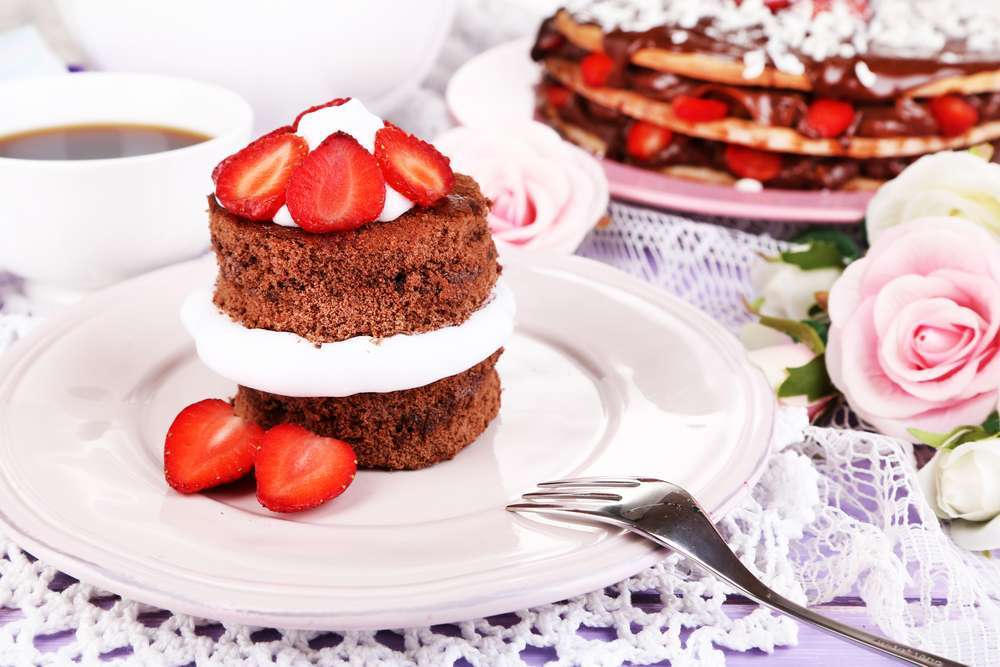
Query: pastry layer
748, 132
430, 268
707, 50
401, 430
284, 363
602, 130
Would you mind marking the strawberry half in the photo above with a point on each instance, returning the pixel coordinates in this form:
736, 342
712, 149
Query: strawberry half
207, 445
251, 183
953, 114
698, 110
557, 95
336, 102
298, 470
338, 187
645, 140
752, 163
596, 69
829, 118
413, 167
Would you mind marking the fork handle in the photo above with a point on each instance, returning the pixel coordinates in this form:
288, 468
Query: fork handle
725, 565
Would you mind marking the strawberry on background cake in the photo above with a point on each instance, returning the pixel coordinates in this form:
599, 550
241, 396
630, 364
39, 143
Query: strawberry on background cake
358, 308
796, 94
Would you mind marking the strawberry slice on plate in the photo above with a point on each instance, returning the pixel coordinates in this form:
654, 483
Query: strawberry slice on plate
596, 69
251, 183
829, 118
752, 163
298, 470
644, 140
338, 187
207, 445
698, 109
413, 167
953, 114
335, 102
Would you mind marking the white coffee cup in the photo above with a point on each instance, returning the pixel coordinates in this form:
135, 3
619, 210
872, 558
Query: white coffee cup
70, 226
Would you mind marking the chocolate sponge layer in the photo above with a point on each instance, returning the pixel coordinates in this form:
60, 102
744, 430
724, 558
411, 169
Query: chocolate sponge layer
429, 268
399, 430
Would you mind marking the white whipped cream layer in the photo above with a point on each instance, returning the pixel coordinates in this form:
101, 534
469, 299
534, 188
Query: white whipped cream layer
353, 118
286, 364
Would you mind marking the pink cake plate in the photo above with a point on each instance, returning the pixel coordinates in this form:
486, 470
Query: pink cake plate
496, 88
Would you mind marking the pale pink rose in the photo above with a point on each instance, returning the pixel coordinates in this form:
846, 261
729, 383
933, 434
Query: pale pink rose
547, 194
914, 335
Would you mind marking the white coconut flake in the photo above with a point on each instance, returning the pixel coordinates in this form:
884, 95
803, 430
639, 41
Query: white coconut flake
865, 75
748, 185
916, 28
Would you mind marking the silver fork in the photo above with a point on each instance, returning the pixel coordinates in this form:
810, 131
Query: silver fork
668, 515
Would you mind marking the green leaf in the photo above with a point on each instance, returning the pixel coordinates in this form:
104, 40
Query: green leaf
810, 380
849, 250
819, 255
992, 423
800, 331
821, 328
952, 439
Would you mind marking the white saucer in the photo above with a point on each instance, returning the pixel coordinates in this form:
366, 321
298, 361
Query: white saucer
605, 375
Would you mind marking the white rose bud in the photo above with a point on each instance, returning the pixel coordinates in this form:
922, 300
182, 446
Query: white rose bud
949, 184
964, 483
787, 290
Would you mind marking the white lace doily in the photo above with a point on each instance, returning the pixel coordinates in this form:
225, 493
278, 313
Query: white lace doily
837, 512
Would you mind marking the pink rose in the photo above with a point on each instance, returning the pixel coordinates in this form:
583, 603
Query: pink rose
914, 335
547, 194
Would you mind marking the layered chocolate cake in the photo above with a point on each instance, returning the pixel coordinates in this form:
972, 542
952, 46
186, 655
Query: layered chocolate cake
363, 303
799, 94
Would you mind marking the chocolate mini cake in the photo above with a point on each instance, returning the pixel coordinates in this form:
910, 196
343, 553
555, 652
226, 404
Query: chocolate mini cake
796, 94
390, 322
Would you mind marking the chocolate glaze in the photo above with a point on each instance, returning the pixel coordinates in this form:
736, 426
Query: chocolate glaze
895, 74
799, 172
904, 116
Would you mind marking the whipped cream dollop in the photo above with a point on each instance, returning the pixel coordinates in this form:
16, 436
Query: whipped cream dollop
353, 118
287, 364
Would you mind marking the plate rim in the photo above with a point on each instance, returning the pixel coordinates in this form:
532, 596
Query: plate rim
636, 554
640, 185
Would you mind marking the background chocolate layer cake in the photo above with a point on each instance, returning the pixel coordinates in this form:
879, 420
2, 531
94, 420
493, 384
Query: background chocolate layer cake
801, 94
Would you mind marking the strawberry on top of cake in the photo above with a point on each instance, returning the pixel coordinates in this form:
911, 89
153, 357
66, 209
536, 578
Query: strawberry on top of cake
357, 307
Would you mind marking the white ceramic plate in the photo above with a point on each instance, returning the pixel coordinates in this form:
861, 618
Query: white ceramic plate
497, 88
605, 375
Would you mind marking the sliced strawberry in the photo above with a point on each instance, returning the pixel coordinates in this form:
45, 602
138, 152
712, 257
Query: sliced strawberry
698, 110
953, 114
338, 187
777, 5
336, 102
829, 118
284, 129
752, 163
644, 140
252, 182
557, 96
413, 167
298, 470
207, 445
596, 69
